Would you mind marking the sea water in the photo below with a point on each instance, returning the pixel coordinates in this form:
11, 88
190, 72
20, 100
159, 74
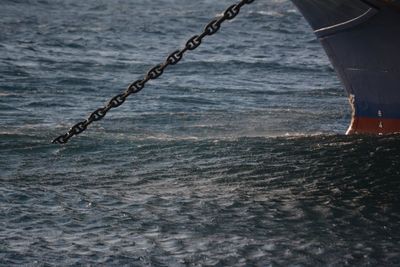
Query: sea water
234, 157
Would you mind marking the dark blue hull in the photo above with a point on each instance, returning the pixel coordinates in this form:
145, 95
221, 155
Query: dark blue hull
362, 40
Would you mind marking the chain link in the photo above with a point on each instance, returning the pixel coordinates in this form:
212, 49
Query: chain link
211, 28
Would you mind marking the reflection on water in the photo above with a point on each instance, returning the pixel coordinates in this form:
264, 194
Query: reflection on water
247, 201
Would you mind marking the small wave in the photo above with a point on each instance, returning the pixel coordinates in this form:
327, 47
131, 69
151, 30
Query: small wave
2, 94
270, 13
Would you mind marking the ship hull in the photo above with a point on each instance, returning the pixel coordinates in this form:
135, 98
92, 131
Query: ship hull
362, 40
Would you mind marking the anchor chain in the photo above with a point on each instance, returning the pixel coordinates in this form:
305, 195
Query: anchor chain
211, 28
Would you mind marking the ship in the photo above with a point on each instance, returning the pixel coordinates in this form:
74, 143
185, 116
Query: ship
362, 41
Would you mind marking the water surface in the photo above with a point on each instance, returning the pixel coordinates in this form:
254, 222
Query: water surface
235, 157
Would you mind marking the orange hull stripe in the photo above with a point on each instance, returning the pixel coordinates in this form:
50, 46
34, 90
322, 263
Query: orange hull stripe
362, 125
